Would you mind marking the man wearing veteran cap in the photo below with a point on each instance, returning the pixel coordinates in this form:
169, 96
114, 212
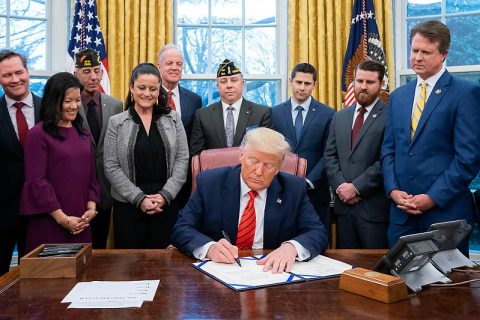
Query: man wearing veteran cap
96, 109
223, 124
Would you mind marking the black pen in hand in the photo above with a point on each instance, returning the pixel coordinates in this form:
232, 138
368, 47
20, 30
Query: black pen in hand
225, 235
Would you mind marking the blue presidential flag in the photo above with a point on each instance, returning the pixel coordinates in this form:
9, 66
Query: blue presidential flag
363, 43
86, 34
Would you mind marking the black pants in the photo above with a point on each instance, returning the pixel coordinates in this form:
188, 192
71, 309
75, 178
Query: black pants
100, 227
9, 236
135, 229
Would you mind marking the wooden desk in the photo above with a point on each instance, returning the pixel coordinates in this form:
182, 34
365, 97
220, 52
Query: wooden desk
187, 293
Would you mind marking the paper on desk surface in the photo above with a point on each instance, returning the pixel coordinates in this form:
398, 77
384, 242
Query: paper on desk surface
319, 267
111, 294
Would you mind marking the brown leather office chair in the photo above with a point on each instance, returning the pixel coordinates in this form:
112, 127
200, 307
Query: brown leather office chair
214, 158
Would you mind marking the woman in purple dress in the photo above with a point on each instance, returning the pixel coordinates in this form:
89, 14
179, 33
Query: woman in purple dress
61, 188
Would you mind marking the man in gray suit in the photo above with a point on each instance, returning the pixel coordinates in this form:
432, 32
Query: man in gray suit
352, 158
96, 109
223, 124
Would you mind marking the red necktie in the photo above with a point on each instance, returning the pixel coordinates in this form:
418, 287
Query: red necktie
246, 228
357, 126
22, 125
171, 103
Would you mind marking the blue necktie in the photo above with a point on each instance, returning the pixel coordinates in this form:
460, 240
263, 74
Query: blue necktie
298, 122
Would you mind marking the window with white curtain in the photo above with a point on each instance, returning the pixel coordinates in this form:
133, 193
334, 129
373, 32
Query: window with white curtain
37, 29
249, 32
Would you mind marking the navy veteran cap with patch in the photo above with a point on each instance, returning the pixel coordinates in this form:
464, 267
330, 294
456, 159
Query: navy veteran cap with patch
87, 58
227, 68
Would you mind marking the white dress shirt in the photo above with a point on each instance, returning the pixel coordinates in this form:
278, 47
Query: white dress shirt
431, 82
305, 105
365, 115
27, 109
236, 111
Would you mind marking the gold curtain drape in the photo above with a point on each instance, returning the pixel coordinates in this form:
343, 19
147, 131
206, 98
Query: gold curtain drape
133, 31
318, 33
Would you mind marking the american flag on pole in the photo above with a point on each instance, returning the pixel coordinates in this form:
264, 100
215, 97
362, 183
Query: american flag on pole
86, 33
363, 43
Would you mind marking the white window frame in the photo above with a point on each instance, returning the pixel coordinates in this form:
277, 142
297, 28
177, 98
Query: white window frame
281, 38
56, 33
402, 66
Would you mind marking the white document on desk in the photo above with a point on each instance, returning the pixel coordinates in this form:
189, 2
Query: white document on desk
111, 294
251, 275
319, 267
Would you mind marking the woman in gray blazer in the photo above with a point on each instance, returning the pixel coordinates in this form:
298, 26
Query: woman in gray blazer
146, 160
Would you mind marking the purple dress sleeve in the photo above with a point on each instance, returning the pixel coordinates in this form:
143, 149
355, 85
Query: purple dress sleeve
38, 195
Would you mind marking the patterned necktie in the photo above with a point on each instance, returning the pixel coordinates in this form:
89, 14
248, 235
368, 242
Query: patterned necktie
298, 123
22, 125
171, 103
93, 122
229, 126
418, 109
357, 126
247, 226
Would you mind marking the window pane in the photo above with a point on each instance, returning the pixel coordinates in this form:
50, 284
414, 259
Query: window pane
37, 84
3, 8
199, 87
28, 8
194, 44
3, 38
226, 44
404, 79
462, 6
192, 11
29, 38
260, 51
214, 91
417, 8
465, 46
262, 92
260, 12
227, 11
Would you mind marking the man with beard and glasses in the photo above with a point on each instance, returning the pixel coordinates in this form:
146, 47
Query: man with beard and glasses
352, 157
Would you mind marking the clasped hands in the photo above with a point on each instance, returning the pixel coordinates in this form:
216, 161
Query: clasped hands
277, 261
347, 193
152, 204
412, 204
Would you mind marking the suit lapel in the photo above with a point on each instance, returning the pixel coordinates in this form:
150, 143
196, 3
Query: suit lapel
273, 214
37, 103
372, 116
311, 114
243, 116
441, 87
85, 121
231, 203
217, 118
347, 123
286, 110
7, 127
184, 109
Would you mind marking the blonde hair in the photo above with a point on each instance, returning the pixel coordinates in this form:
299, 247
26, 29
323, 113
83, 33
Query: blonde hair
265, 140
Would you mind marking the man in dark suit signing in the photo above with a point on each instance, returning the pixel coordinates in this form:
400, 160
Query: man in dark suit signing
223, 124
431, 149
96, 109
19, 111
352, 160
305, 122
256, 205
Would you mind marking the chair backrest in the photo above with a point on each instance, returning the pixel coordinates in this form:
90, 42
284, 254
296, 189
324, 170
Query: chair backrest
215, 158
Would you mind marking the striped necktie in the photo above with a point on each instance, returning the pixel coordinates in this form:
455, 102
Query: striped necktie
418, 109
247, 226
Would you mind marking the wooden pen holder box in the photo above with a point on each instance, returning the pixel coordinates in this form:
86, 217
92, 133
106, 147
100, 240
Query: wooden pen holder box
33, 266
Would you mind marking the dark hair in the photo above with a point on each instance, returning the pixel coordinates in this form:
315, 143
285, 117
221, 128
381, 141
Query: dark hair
435, 31
7, 54
305, 68
148, 68
372, 65
52, 103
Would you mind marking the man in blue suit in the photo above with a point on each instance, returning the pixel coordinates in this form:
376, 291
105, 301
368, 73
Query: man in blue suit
307, 132
19, 111
431, 148
258, 207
